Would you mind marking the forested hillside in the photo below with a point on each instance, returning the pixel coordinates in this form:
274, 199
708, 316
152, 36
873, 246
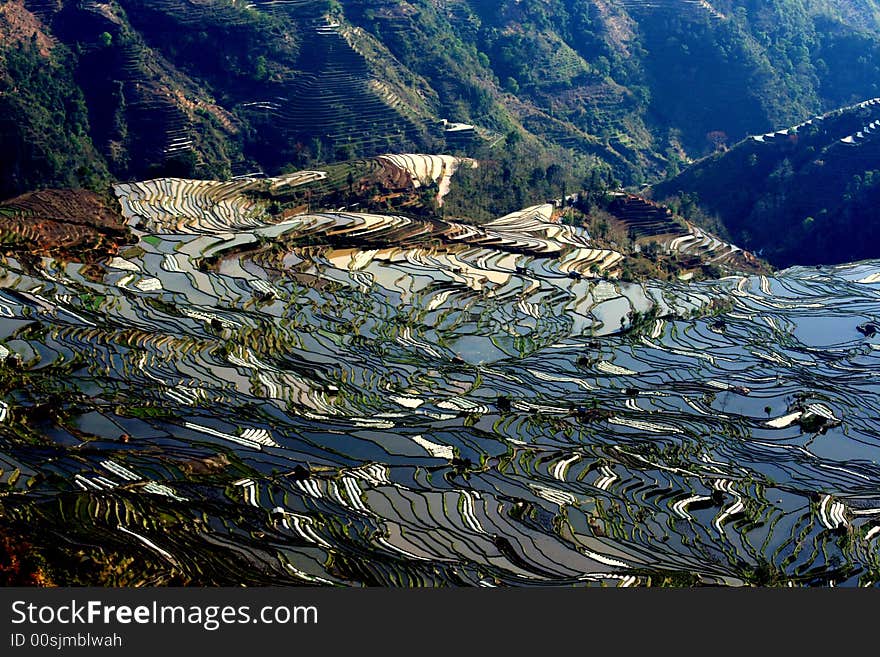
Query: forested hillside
804, 195
215, 88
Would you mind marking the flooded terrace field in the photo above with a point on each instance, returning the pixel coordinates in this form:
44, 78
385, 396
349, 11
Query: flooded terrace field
356, 399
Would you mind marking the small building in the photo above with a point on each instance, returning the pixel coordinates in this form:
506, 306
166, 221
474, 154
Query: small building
458, 134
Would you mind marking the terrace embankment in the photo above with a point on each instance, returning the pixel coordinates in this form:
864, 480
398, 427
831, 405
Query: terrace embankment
360, 398
647, 222
64, 224
484, 410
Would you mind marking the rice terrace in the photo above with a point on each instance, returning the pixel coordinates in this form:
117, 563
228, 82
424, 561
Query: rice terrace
341, 307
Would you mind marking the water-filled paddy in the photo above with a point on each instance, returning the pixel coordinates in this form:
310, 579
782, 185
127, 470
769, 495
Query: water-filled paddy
390, 418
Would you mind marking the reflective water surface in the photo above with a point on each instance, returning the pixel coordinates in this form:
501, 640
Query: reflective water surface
380, 410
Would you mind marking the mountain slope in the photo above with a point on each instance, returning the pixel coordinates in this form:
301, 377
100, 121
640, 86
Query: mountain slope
219, 87
253, 394
43, 117
805, 195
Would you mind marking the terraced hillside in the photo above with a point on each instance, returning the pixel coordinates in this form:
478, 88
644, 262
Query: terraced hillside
177, 87
648, 223
204, 207
691, 7
337, 101
805, 194
360, 298
218, 88
77, 225
251, 393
